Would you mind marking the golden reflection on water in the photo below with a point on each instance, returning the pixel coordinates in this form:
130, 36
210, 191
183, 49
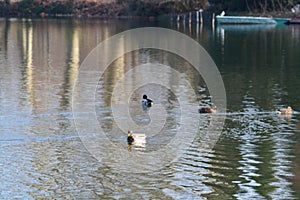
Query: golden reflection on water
28, 58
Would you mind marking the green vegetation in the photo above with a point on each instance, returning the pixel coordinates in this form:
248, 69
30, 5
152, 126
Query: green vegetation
144, 8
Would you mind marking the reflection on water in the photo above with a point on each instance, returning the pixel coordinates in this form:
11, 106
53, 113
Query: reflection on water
257, 156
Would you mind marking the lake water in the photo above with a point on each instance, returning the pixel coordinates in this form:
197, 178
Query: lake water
256, 156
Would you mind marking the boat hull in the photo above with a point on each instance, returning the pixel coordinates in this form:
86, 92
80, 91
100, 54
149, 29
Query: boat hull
282, 20
244, 20
295, 20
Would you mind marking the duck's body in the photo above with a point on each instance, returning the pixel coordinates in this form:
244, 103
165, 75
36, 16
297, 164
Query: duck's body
212, 109
146, 102
286, 111
130, 138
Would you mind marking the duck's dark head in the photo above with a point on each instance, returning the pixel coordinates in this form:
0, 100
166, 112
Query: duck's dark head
145, 96
129, 134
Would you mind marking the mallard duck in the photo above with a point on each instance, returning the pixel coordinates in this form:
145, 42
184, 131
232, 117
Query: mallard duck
146, 102
286, 111
136, 139
130, 138
212, 109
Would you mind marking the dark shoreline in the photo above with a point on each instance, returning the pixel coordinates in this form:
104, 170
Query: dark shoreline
170, 16
136, 10
33, 8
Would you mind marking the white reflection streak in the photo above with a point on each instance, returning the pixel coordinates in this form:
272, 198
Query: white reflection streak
282, 166
221, 35
248, 168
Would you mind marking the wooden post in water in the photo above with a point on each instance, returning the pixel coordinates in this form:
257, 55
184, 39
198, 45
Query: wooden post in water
190, 17
197, 16
213, 24
201, 18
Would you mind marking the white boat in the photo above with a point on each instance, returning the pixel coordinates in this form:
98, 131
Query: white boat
244, 20
222, 19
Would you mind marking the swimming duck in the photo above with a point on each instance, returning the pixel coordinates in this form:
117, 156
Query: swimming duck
286, 111
212, 109
146, 102
130, 138
136, 139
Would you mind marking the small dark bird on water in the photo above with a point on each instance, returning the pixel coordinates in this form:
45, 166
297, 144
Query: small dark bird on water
130, 138
286, 111
146, 102
212, 109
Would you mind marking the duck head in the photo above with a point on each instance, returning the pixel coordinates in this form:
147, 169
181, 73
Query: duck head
129, 134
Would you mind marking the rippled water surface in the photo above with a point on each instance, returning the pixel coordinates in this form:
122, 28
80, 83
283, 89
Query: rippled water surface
257, 155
